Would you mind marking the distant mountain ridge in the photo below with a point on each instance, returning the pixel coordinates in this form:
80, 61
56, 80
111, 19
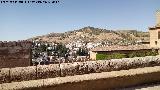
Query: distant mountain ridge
92, 34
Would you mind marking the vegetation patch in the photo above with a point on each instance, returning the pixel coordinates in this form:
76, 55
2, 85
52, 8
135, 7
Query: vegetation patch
130, 55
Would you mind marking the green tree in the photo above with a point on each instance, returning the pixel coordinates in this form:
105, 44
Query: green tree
43, 48
82, 52
62, 50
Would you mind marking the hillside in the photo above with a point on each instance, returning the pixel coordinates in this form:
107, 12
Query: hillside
91, 34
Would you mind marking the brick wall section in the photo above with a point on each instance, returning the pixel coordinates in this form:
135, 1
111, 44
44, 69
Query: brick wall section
15, 54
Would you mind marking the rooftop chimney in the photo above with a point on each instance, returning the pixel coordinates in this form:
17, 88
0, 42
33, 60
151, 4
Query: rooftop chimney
158, 18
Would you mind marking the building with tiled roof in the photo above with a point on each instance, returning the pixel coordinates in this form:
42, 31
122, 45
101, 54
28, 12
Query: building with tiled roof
119, 49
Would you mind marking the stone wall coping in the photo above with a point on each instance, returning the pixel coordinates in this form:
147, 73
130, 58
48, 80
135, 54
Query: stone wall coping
77, 78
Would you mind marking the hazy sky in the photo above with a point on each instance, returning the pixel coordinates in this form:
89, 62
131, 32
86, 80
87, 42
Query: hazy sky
22, 21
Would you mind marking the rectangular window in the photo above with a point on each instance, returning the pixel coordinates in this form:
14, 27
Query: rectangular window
158, 34
155, 42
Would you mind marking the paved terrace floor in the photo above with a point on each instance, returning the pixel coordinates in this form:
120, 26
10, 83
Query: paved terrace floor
151, 86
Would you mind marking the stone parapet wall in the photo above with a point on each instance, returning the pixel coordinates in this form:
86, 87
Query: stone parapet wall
76, 68
23, 43
94, 81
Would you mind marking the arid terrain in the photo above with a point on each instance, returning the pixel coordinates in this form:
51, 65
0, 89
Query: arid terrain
91, 34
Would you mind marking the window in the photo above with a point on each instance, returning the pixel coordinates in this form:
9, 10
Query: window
158, 34
156, 42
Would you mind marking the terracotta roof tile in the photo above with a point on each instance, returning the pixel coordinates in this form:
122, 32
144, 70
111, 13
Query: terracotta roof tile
118, 47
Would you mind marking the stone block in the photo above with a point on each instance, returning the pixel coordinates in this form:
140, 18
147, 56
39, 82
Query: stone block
103, 65
4, 75
68, 69
138, 62
23, 73
119, 64
54, 70
48, 71
93, 66
153, 60
81, 68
